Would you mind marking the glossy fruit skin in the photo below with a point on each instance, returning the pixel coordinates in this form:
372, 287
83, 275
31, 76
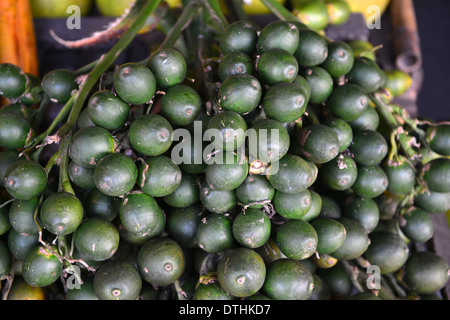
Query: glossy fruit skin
401, 176
316, 206
331, 234
320, 82
348, 102
369, 147
115, 174
312, 49
437, 175
151, 134
318, 143
285, 101
292, 205
181, 105
186, 194
227, 171
369, 120
343, 130
371, 181
254, 189
425, 272
151, 180
356, 241
182, 224
58, 85
364, 210
339, 60
438, 138
169, 67
234, 63
288, 279
90, 144
16, 132
161, 261
134, 83
312, 13
217, 201
297, 239
215, 233
339, 173
367, 74
277, 65
61, 213
140, 214
433, 201
418, 225
239, 36
41, 267
20, 244
13, 81
25, 179
241, 272
98, 204
278, 34
240, 93
107, 110
7, 157
268, 140
117, 280
228, 130
97, 239
81, 176
387, 250
21, 215
251, 228
293, 174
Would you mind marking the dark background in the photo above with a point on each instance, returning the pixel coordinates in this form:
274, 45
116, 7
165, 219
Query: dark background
433, 18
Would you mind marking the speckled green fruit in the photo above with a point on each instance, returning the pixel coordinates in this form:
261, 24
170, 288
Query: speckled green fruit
140, 214
168, 66
180, 105
288, 279
151, 134
117, 280
241, 272
115, 174
25, 179
161, 261
41, 267
214, 233
251, 228
159, 176
97, 239
88, 145
134, 83
297, 239
61, 213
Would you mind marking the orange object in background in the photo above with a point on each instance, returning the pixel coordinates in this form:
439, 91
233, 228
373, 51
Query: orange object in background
18, 41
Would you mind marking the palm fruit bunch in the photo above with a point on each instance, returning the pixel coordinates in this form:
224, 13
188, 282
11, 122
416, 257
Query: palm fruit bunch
282, 172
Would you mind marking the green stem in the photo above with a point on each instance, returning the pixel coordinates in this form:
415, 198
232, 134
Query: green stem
394, 126
61, 115
216, 12
64, 180
279, 10
192, 9
108, 59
